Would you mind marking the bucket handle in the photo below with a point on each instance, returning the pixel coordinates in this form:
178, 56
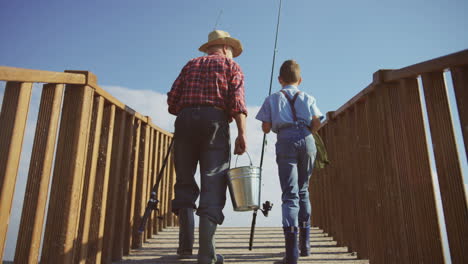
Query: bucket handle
240, 155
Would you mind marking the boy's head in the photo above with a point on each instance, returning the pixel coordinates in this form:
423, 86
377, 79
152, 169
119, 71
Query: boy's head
290, 73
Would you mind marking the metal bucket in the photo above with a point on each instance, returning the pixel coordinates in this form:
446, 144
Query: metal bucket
244, 187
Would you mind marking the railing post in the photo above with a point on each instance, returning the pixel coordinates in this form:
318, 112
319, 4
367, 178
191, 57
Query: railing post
133, 227
70, 162
13, 118
89, 181
37, 188
448, 164
99, 204
121, 246
157, 167
460, 85
114, 181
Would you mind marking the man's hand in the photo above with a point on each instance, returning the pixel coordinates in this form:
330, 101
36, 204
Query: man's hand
240, 145
241, 140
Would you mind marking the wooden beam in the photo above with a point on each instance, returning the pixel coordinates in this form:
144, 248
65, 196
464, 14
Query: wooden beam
13, 118
448, 164
40, 170
437, 64
27, 75
69, 170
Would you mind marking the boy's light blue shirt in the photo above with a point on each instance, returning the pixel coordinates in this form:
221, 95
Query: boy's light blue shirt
276, 109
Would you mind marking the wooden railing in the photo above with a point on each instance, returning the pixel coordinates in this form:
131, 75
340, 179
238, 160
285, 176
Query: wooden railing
99, 170
377, 196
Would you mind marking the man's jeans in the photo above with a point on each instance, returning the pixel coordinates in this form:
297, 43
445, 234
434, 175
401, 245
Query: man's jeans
201, 136
295, 155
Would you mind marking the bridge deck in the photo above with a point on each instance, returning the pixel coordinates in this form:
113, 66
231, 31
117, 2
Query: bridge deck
232, 242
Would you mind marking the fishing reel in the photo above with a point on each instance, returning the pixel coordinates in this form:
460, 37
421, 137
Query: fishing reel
266, 207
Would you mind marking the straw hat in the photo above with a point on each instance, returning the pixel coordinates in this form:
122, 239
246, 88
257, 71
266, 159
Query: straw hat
218, 37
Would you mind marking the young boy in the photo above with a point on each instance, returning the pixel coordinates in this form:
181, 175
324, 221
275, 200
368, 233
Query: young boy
293, 115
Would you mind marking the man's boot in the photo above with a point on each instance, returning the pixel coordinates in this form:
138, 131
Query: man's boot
206, 251
292, 252
304, 239
186, 232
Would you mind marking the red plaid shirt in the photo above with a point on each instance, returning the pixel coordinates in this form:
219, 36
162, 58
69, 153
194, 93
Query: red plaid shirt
209, 80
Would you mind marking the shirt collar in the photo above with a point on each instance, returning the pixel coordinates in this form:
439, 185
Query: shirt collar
294, 87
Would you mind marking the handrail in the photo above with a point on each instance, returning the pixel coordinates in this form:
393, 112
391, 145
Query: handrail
377, 196
11, 74
441, 63
437, 64
69, 77
96, 155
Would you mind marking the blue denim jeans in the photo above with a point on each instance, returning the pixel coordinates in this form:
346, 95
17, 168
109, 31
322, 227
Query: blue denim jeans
295, 155
201, 136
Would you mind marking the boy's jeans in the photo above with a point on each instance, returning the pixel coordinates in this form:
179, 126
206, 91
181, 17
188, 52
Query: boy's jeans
295, 155
201, 136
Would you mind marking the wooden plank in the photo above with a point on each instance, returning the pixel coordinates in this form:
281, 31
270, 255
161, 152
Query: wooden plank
37, 76
146, 171
128, 180
65, 196
116, 174
448, 165
159, 154
151, 182
13, 118
170, 190
133, 183
165, 187
399, 112
40, 170
230, 241
460, 85
426, 224
89, 181
140, 187
394, 180
435, 65
99, 204
121, 246
364, 196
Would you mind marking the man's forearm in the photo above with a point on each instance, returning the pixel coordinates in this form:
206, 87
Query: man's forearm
240, 122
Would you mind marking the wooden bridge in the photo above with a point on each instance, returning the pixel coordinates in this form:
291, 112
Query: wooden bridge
93, 156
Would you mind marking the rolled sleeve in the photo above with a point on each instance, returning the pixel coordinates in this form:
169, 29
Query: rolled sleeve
264, 114
174, 94
237, 92
315, 110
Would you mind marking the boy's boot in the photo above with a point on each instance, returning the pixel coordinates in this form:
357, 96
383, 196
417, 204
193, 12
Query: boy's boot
186, 232
206, 251
292, 252
304, 239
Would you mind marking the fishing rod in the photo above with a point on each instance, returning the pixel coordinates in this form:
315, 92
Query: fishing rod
267, 205
153, 201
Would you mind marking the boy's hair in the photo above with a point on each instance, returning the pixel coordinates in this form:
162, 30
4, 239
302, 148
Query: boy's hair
290, 71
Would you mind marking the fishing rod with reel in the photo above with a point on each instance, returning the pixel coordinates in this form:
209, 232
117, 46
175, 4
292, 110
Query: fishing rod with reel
266, 207
153, 201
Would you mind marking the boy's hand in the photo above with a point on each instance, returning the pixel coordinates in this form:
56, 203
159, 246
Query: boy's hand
240, 145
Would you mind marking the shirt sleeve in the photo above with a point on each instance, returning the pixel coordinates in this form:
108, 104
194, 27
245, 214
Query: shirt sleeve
174, 94
264, 114
315, 111
237, 91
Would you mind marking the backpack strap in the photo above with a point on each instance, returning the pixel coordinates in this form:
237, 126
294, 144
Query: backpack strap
291, 103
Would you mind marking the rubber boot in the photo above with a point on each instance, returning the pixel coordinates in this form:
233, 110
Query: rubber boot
304, 239
186, 232
292, 252
206, 251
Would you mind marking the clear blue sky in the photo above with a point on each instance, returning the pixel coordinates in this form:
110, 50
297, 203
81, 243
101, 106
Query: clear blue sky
143, 44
